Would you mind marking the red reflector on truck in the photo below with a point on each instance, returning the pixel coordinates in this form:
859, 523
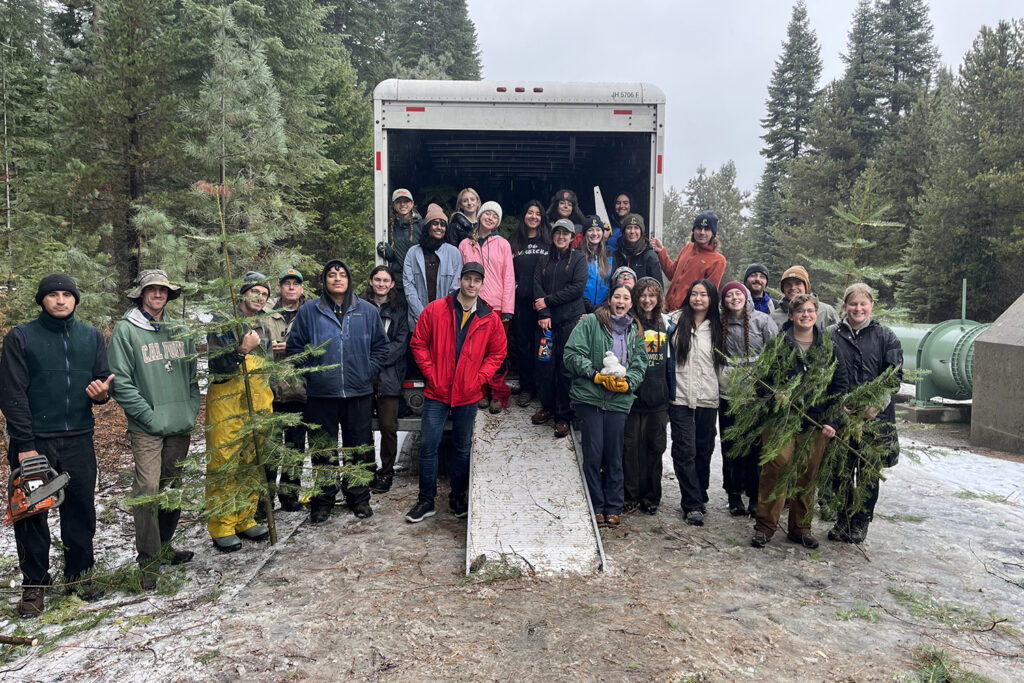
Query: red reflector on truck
415, 108
520, 89
538, 90
623, 112
502, 89
378, 161
659, 164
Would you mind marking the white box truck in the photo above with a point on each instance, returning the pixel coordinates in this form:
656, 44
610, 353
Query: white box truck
517, 141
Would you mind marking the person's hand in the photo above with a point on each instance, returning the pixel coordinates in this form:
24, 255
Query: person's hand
27, 454
505, 317
621, 386
606, 381
540, 304
656, 244
278, 347
97, 390
249, 342
871, 412
828, 431
544, 323
780, 397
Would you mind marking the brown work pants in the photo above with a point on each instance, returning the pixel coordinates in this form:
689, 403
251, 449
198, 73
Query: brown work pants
769, 511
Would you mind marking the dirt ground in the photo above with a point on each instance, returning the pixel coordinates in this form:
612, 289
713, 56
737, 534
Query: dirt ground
380, 599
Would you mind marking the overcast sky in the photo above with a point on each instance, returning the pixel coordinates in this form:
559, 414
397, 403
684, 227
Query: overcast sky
712, 59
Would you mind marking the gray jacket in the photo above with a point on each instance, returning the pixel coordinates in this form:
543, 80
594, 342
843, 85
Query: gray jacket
827, 316
762, 330
414, 278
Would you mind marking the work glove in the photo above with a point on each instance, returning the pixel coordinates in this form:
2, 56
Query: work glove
621, 386
385, 251
607, 381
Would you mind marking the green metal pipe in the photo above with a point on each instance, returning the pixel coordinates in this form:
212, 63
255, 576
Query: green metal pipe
943, 355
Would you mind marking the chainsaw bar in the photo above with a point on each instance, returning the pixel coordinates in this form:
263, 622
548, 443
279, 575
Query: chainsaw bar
50, 488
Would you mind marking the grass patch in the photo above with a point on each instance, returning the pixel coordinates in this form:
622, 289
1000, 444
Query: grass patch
990, 497
859, 610
913, 519
952, 614
935, 665
493, 571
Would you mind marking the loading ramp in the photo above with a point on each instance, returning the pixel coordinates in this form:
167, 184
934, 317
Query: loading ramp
528, 502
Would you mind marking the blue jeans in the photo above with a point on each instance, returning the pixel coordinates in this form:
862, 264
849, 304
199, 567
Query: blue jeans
432, 420
602, 432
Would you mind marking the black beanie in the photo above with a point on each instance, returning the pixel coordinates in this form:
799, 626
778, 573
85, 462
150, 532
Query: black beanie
707, 219
56, 282
253, 279
756, 268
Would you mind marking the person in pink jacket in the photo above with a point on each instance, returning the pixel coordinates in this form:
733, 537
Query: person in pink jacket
499, 290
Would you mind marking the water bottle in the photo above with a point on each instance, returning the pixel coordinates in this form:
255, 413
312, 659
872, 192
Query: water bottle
544, 351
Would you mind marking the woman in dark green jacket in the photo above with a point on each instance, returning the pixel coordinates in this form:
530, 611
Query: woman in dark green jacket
608, 360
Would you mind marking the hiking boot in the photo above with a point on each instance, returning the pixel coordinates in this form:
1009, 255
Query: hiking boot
420, 511
227, 544
612, 521
561, 429
695, 518
760, 539
148, 576
180, 557
524, 399
319, 515
31, 604
736, 508
649, 509
858, 530
255, 533
459, 506
629, 506
806, 540
291, 504
89, 590
540, 417
496, 407
599, 518
840, 531
483, 403
381, 484
362, 510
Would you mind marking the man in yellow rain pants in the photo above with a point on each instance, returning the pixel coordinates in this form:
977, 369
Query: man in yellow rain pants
233, 479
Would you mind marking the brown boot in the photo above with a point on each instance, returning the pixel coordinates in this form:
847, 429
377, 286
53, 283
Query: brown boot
540, 417
31, 604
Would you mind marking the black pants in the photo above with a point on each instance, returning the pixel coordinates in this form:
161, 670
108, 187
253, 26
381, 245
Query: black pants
739, 475
553, 377
693, 442
848, 509
524, 343
354, 415
642, 450
76, 456
295, 439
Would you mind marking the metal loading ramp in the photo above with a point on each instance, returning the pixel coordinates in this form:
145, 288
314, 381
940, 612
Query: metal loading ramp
528, 502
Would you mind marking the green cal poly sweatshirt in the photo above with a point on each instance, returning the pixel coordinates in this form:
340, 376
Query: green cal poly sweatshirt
154, 366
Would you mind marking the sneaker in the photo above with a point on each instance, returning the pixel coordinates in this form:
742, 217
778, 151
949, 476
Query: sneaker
736, 508
362, 510
227, 544
255, 533
561, 429
806, 540
180, 557
524, 399
649, 509
540, 417
629, 506
612, 521
459, 506
380, 484
291, 504
496, 407
420, 511
695, 518
319, 515
483, 403
31, 604
760, 539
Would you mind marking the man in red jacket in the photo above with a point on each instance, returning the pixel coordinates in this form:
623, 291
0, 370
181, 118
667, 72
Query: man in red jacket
459, 343
698, 260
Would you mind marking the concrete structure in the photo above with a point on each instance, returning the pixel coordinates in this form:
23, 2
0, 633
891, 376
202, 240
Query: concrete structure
998, 416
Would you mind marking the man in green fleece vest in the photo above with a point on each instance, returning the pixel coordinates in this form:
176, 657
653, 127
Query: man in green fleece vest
53, 370
154, 364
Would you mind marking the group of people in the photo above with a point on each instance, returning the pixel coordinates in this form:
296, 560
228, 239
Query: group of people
596, 336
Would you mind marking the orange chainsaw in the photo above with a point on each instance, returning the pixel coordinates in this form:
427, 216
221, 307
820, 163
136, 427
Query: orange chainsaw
34, 487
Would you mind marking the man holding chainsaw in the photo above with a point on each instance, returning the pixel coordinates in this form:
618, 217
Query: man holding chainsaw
52, 371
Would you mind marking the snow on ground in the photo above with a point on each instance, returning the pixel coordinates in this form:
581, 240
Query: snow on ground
382, 599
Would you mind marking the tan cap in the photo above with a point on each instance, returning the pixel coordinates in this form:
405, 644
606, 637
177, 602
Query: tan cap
154, 277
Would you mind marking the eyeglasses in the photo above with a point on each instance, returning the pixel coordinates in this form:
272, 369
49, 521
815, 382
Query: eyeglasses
438, 221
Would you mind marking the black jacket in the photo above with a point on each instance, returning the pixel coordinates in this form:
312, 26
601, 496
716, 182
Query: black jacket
654, 392
837, 387
644, 263
396, 325
459, 228
560, 279
868, 353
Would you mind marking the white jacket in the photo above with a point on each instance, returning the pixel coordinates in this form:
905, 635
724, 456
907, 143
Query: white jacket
696, 377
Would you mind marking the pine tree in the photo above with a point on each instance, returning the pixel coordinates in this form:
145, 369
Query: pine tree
717, 192
864, 82
791, 94
364, 28
908, 54
434, 38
